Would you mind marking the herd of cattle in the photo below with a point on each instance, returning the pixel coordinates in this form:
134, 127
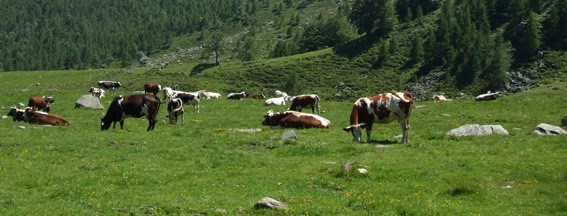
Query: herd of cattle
380, 108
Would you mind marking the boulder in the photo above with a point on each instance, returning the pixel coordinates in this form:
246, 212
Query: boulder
289, 135
477, 130
546, 129
270, 203
88, 101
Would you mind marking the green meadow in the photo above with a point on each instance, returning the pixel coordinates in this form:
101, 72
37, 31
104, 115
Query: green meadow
208, 167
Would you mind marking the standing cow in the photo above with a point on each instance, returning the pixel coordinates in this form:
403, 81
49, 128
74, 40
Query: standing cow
305, 101
131, 106
41, 103
174, 110
382, 108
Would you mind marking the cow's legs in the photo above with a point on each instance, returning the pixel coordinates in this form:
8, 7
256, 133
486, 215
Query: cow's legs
182, 119
368, 132
404, 123
121, 124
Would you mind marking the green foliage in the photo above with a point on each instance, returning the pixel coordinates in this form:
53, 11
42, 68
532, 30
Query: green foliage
324, 33
373, 16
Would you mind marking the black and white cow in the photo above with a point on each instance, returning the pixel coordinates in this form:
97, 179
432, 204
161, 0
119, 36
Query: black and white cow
109, 84
131, 106
174, 110
236, 96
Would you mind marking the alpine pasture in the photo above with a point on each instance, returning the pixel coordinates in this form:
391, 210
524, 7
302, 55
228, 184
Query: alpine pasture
209, 167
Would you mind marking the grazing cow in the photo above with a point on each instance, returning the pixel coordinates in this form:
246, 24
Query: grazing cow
18, 115
41, 103
131, 106
36, 117
236, 96
256, 96
382, 108
175, 109
97, 92
295, 119
275, 101
305, 101
169, 93
109, 84
438, 98
151, 88
488, 96
279, 93
209, 95
190, 98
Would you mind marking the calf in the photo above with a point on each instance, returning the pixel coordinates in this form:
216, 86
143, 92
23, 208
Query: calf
18, 115
35, 117
109, 84
151, 88
41, 103
305, 101
175, 109
131, 106
275, 101
236, 96
382, 108
295, 119
190, 98
97, 92
488, 96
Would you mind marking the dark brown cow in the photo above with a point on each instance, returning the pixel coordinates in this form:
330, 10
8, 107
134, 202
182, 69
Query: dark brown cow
295, 119
305, 101
256, 96
41, 103
35, 117
131, 106
151, 88
382, 108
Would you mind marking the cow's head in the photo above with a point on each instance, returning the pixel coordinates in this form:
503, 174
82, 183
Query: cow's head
269, 119
356, 131
105, 123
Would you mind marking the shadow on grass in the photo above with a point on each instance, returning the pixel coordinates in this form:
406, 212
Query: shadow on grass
383, 142
201, 67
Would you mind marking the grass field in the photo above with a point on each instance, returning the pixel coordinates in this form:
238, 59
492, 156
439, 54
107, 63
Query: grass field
206, 167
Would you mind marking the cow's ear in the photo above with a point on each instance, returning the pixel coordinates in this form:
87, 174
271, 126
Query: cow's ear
362, 125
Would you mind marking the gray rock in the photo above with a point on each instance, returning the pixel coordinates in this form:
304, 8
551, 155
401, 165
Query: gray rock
88, 101
477, 130
546, 129
270, 203
289, 135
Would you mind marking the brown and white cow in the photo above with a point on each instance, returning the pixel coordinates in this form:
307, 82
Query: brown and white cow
236, 96
382, 108
135, 106
305, 101
174, 110
295, 119
41, 103
97, 92
256, 96
151, 88
36, 117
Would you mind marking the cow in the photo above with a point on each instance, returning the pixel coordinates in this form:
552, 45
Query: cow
438, 98
304, 101
18, 115
295, 119
192, 98
174, 110
488, 96
97, 92
41, 103
169, 93
109, 84
279, 93
256, 96
381, 108
36, 117
151, 88
209, 95
236, 96
275, 101
136, 106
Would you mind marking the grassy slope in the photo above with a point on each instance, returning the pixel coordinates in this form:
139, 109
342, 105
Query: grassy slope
206, 167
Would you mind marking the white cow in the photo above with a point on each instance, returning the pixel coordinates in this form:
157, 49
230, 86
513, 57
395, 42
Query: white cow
279, 93
438, 98
275, 101
97, 92
209, 95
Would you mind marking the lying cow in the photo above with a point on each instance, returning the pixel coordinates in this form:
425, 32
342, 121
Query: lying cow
131, 106
209, 95
295, 119
36, 117
109, 84
438, 98
382, 108
275, 101
305, 101
236, 96
279, 93
18, 115
256, 96
488, 96
151, 88
41, 103
97, 92
192, 98
174, 110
